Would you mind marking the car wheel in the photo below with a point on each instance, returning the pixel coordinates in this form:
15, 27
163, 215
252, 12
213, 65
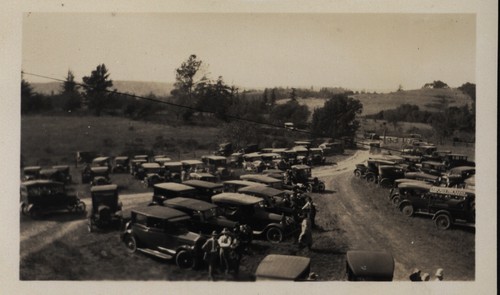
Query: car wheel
321, 187
24, 209
80, 207
407, 210
309, 188
395, 200
357, 173
370, 178
443, 222
184, 259
274, 235
131, 243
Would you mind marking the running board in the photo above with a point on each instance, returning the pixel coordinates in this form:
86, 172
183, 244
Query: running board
155, 253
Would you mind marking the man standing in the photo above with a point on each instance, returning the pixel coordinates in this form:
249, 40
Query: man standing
225, 241
211, 251
439, 274
305, 237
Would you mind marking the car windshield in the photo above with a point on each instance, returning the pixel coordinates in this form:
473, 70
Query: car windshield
45, 190
152, 170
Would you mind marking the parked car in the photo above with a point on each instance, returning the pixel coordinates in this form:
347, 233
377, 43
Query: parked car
161, 232
106, 207
43, 196
388, 174
429, 178
272, 182
206, 218
315, 157
162, 160
204, 176
225, 149
98, 176
64, 173
150, 174
414, 188
102, 162
236, 160
141, 157
284, 268
270, 160
192, 165
302, 153
290, 157
455, 160
301, 174
463, 171
369, 266
218, 165
434, 168
250, 210
447, 206
332, 148
253, 162
135, 164
369, 169
31, 173
173, 171
54, 175
274, 173
232, 186
121, 165
170, 190
204, 189
275, 200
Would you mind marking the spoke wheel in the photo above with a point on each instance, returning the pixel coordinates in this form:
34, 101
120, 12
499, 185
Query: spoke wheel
443, 222
357, 173
184, 259
274, 235
407, 210
370, 178
131, 243
395, 200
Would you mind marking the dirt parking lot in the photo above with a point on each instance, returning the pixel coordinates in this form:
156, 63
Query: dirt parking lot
352, 215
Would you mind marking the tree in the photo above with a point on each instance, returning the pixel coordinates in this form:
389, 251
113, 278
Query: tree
71, 96
186, 83
96, 89
216, 97
273, 97
291, 111
31, 101
337, 117
400, 88
293, 95
439, 84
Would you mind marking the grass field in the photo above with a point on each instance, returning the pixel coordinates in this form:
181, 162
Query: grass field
50, 140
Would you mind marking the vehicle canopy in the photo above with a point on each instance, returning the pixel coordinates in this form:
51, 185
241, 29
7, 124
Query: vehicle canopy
121, 159
99, 170
47, 172
191, 162
421, 176
300, 149
162, 212
173, 186
191, 204
36, 189
141, 157
32, 169
301, 167
464, 171
261, 191
177, 166
270, 156
202, 184
100, 161
369, 266
216, 158
283, 267
150, 166
104, 194
260, 178
236, 199
414, 185
316, 151
62, 168
252, 157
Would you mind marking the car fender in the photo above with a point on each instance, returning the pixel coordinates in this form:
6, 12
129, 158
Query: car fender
440, 212
404, 203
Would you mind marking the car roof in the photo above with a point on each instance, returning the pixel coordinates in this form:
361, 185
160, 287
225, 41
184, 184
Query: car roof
455, 154
301, 166
191, 162
121, 158
415, 184
150, 165
60, 166
300, 148
236, 198
216, 157
272, 171
163, 159
188, 203
243, 182
103, 188
100, 159
282, 267
32, 168
260, 189
48, 170
173, 186
422, 175
376, 264
202, 183
433, 163
139, 160
259, 177
161, 212
251, 155
173, 164
99, 169
206, 174
269, 155
462, 168
40, 182
140, 156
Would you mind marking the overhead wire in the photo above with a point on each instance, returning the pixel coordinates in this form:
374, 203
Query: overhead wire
238, 118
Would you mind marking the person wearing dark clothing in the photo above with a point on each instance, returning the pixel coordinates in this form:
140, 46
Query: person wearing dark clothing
211, 254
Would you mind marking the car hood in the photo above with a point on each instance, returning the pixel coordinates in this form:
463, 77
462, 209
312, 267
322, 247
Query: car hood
189, 237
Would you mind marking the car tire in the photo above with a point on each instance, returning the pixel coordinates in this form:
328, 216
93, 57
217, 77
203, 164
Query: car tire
370, 178
131, 243
80, 207
184, 259
442, 222
309, 188
407, 210
321, 187
395, 200
274, 235
357, 173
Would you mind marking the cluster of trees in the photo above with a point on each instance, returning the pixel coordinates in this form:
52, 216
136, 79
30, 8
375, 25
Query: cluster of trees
436, 85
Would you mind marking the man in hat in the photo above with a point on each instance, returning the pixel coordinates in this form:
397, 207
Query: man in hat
426, 277
211, 251
415, 275
225, 241
439, 274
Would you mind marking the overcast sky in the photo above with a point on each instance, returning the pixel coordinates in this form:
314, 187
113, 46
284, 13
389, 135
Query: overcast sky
356, 51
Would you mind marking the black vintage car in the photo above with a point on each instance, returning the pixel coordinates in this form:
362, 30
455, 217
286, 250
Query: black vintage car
150, 174
411, 187
434, 168
121, 164
31, 173
161, 232
99, 176
455, 160
232, 186
135, 164
250, 210
369, 169
388, 174
204, 189
275, 200
54, 175
316, 157
64, 173
301, 174
44, 196
364, 265
170, 190
205, 217
106, 207
173, 171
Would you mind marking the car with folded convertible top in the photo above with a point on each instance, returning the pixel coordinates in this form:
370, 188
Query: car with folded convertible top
276, 267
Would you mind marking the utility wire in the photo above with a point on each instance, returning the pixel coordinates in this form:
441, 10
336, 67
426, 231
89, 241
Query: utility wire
195, 109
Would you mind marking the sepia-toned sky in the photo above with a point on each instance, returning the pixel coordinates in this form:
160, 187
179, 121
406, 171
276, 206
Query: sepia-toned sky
356, 51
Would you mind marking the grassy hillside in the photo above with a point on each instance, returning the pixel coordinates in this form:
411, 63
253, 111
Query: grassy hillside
47, 140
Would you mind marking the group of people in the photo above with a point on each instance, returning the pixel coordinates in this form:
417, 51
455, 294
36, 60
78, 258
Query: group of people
418, 276
224, 250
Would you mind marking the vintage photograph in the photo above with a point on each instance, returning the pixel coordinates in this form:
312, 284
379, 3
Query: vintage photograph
247, 147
